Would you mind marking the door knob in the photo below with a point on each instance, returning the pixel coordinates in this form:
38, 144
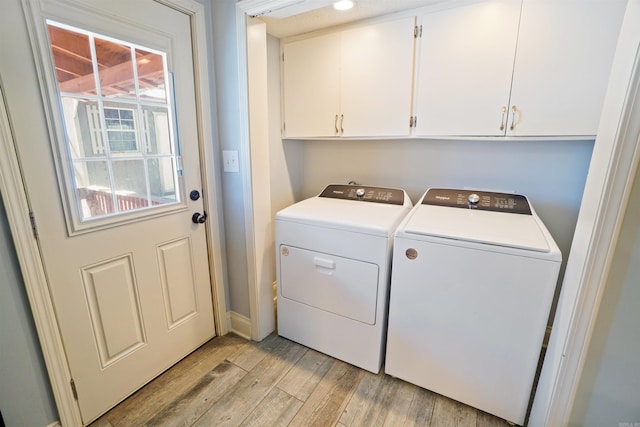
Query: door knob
198, 218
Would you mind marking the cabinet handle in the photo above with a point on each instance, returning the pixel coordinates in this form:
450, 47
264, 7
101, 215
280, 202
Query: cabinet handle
335, 125
341, 121
502, 123
513, 117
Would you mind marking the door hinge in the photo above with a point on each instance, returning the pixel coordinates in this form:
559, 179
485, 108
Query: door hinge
73, 389
282, 56
417, 31
34, 227
413, 121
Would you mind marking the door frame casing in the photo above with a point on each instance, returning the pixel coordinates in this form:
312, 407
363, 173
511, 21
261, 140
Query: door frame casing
14, 194
256, 211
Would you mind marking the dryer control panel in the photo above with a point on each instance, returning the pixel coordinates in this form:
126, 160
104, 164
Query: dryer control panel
391, 196
481, 200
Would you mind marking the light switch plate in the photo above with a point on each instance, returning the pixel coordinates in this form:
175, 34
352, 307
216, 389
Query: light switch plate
230, 161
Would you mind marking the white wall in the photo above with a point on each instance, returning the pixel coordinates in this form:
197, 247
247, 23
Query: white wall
25, 394
285, 157
609, 389
229, 130
262, 308
273, 187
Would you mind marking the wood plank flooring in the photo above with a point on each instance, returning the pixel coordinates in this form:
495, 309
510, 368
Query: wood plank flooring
230, 381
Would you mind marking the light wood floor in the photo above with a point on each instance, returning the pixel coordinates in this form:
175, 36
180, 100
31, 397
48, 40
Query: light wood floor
230, 381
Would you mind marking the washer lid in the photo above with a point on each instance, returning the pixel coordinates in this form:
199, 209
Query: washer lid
488, 227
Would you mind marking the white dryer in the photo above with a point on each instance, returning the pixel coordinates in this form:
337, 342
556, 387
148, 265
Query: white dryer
473, 278
333, 270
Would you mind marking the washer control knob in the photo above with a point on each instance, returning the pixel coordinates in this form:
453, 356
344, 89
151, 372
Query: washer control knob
360, 193
473, 199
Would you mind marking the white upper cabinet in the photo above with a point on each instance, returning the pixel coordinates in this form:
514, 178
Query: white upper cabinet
535, 68
376, 85
463, 78
353, 83
485, 69
311, 80
565, 53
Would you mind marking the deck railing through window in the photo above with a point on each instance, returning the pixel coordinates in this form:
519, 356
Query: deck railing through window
97, 201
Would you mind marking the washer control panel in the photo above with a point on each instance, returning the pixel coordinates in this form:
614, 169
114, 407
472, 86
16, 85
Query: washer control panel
481, 200
391, 196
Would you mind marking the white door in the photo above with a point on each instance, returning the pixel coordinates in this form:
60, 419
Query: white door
127, 267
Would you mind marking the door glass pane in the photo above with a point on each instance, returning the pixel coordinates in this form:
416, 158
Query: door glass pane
151, 76
121, 124
84, 131
93, 188
119, 127
115, 69
130, 184
161, 171
72, 57
157, 131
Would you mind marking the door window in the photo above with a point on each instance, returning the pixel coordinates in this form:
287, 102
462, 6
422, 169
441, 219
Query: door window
115, 102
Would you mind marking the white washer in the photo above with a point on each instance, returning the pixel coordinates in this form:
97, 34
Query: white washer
474, 275
333, 270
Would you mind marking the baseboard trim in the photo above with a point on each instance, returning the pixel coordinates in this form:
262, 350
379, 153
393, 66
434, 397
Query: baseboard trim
55, 424
240, 325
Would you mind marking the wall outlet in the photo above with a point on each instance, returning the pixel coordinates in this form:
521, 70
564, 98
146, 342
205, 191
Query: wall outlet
230, 161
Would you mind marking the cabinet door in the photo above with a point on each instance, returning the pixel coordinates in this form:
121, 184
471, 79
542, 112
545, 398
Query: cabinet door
311, 86
376, 78
565, 52
466, 59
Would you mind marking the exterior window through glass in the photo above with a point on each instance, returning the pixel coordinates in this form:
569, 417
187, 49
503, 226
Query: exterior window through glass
121, 129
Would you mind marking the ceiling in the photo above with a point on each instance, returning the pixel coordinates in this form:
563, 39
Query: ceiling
327, 16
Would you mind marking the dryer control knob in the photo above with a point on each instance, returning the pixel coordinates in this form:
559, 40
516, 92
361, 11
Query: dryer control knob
473, 199
360, 193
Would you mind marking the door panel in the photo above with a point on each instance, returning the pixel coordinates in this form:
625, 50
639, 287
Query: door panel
129, 280
176, 269
114, 307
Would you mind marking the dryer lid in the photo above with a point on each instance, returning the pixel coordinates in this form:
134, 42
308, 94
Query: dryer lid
349, 215
487, 227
